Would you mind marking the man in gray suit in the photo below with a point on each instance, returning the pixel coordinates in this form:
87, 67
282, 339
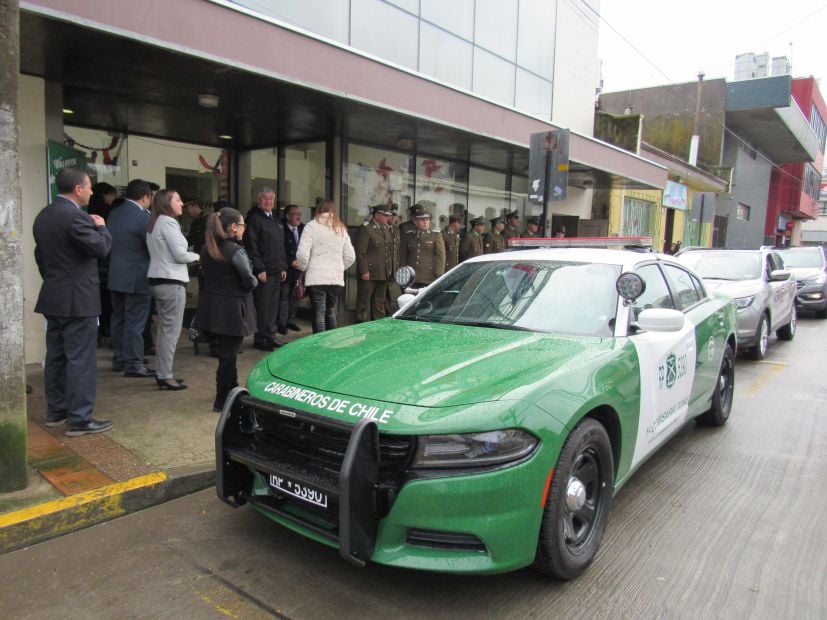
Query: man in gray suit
128, 265
68, 245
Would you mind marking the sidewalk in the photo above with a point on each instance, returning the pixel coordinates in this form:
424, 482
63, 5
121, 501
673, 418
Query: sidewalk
160, 447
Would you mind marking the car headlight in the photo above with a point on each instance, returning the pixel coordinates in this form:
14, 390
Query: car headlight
819, 278
473, 449
743, 302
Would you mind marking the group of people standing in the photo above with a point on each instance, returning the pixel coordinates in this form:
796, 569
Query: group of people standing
382, 247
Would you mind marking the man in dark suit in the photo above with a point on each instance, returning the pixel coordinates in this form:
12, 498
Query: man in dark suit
128, 265
264, 241
288, 304
68, 245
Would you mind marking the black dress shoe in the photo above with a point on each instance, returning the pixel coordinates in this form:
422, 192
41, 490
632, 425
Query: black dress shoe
56, 422
144, 374
276, 343
90, 426
170, 384
282, 330
293, 327
263, 346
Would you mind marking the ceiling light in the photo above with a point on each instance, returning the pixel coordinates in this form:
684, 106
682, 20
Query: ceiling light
68, 111
208, 101
225, 136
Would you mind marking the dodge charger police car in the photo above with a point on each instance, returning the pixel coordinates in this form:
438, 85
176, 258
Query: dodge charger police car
486, 426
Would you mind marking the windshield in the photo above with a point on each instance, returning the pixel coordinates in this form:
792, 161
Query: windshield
803, 258
717, 265
543, 296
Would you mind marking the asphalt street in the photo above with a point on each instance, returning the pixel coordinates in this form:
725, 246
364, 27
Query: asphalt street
722, 523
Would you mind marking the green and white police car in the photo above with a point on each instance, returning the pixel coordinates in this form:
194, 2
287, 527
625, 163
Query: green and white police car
486, 426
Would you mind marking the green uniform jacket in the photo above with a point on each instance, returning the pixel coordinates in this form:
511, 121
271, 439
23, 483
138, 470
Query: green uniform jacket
373, 251
425, 252
493, 242
510, 231
531, 235
471, 245
451, 241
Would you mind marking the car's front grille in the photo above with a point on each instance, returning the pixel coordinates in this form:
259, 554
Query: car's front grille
799, 283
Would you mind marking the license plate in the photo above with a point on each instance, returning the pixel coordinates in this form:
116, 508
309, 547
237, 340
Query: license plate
299, 490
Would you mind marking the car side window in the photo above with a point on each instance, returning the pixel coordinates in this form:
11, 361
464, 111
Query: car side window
685, 289
775, 262
657, 293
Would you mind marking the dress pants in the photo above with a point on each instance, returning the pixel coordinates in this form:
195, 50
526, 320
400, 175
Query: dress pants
324, 298
370, 299
226, 377
169, 303
287, 303
266, 300
71, 367
129, 312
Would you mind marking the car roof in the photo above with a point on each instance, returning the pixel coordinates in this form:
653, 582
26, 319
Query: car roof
627, 259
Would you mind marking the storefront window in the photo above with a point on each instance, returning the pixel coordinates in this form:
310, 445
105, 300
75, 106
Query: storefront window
487, 195
107, 155
442, 187
375, 176
304, 176
258, 169
638, 217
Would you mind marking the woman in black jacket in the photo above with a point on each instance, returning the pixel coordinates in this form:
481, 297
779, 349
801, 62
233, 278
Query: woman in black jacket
225, 303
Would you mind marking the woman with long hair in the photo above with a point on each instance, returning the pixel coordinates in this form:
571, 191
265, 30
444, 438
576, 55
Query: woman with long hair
168, 277
225, 304
324, 252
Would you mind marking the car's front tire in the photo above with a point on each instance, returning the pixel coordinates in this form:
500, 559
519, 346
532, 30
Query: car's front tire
762, 336
718, 414
787, 332
579, 499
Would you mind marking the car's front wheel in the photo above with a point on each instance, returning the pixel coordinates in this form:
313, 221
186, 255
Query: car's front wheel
718, 414
579, 499
787, 332
762, 337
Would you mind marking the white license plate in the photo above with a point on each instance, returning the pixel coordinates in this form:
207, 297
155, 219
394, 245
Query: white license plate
298, 490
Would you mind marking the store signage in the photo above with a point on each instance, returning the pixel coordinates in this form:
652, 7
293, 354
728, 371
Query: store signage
61, 156
548, 165
675, 195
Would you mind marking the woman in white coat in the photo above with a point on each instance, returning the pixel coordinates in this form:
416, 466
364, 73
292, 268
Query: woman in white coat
324, 253
168, 277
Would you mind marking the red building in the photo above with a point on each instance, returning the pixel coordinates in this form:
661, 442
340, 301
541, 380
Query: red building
794, 188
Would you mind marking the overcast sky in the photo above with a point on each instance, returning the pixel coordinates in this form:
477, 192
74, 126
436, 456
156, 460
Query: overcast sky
675, 39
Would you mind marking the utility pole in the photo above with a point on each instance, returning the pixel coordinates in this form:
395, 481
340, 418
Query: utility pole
13, 433
696, 131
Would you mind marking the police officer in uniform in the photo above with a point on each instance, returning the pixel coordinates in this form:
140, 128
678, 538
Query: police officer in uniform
494, 241
423, 249
373, 265
471, 245
393, 291
532, 228
451, 239
405, 227
512, 225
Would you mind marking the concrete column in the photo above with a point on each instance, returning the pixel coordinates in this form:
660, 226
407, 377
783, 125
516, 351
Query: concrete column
13, 435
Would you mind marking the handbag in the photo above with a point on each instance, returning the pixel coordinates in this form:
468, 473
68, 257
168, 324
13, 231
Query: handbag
298, 289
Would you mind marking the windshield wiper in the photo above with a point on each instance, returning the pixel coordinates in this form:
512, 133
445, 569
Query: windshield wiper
493, 325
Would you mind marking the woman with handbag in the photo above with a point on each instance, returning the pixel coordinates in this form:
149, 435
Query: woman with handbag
168, 276
324, 253
225, 305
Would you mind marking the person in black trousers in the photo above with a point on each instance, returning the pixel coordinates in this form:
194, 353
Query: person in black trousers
225, 304
68, 245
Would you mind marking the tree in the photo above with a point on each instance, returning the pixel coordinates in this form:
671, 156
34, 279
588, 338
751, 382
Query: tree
13, 434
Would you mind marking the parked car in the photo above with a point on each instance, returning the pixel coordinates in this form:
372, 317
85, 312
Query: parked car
809, 267
764, 292
485, 426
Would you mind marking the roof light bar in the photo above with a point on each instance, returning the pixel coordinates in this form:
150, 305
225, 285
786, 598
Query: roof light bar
581, 242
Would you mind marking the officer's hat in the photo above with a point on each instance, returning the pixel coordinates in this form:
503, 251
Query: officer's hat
454, 218
495, 220
478, 221
381, 209
511, 215
394, 209
532, 220
419, 212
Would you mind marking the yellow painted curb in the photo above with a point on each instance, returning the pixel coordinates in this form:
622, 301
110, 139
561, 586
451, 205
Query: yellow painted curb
76, 501
38, 523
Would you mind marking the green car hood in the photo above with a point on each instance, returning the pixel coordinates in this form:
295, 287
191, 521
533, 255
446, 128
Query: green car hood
431, 364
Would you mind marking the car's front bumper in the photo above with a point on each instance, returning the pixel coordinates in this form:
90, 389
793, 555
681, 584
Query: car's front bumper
748, 319
452, 521
811, 297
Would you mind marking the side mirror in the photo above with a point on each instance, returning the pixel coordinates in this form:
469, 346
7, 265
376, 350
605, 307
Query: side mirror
404, 300
660, 320
405, 276
779, 275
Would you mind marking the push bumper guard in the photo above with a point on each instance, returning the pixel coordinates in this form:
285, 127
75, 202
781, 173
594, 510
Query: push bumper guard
355, 491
